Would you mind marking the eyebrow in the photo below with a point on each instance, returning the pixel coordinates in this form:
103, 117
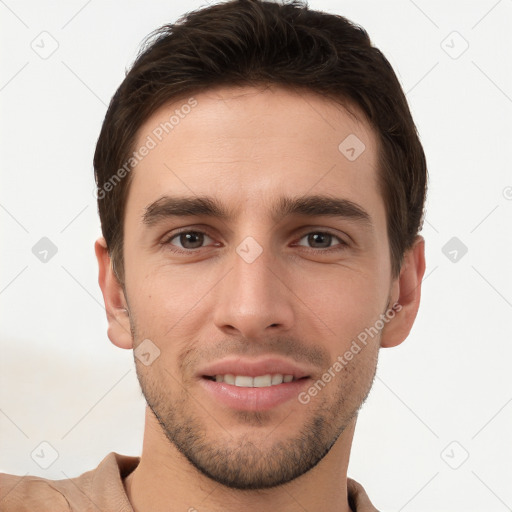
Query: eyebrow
310, 206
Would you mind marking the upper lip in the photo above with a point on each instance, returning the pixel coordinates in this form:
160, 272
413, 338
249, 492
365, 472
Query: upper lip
254, 367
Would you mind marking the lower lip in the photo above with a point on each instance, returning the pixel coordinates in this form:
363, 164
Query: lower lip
254, 399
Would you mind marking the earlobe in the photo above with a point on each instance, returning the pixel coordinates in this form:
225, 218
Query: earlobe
407, 288
116, 307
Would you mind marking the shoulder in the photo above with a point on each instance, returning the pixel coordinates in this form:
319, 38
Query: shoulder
28, 493
98, 489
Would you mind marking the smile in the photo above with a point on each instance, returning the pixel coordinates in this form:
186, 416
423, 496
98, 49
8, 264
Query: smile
260, 381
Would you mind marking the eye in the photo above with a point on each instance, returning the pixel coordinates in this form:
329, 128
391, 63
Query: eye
187, 240
322, 240
190, 241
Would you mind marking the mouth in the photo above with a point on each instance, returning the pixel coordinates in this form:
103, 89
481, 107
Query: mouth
254, 385
260, 381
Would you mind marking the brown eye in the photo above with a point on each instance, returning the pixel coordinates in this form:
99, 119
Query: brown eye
321, 240
188, 240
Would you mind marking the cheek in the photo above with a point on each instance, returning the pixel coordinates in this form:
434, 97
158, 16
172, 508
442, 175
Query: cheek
164, 302
167, 293
345, 303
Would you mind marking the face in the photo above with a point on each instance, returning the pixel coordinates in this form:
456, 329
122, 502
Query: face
255, 253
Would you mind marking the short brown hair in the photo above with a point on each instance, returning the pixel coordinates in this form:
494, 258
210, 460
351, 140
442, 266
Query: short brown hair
250, 42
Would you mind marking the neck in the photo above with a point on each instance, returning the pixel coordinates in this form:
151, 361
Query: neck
165, 480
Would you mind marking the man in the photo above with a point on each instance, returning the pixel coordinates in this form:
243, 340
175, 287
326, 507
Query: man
261, 187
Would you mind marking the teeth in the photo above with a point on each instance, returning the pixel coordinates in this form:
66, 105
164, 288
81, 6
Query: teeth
261, 381
229, 379
244, 382
277, 379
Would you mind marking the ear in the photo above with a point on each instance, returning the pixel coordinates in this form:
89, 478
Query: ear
116, 306
406, 293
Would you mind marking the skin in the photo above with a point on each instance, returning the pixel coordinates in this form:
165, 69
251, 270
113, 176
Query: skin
246, 147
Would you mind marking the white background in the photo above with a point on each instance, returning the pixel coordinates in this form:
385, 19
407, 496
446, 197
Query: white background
63, 382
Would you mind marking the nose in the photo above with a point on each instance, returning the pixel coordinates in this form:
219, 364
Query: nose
255, 298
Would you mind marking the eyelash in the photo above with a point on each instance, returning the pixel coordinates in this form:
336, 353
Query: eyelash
167, 242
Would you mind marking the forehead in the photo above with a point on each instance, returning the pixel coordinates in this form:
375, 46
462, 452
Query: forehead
247, 144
